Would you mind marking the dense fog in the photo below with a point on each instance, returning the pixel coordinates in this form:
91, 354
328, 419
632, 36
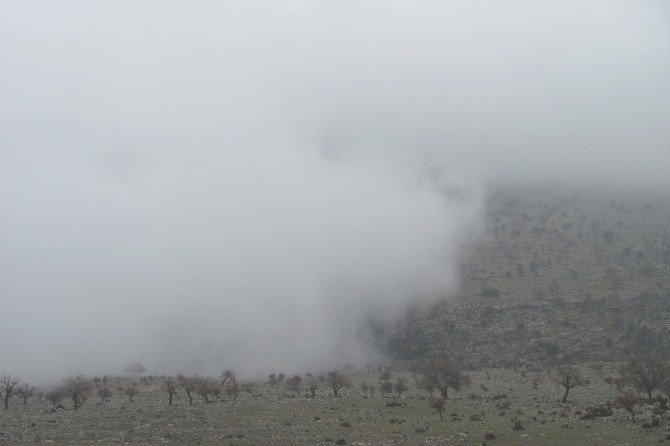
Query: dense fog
200, 185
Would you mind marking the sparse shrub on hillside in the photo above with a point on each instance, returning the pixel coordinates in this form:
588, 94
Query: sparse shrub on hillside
490, 292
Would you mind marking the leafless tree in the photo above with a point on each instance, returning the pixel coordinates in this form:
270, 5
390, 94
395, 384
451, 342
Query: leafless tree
228, 376
105, 393
170, 386
205, 388
366, 388
55, 396
569, 377
248, 387
294, 383
77, 388
131, 391
25, 391
401, 386
443, 375
337, 380
438, 403
8, 385
189, 385
647, 374
312, 389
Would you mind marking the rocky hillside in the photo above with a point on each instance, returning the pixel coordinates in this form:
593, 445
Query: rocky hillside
560, 274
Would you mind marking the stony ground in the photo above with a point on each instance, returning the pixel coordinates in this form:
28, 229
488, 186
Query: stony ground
492, 403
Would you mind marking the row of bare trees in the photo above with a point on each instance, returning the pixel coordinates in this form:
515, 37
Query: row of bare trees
11, 386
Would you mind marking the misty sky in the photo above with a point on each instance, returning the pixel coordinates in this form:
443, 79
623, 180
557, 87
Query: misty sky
199, 185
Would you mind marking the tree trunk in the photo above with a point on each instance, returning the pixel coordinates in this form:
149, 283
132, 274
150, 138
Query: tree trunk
170, 400
7, 396
440, 414
76, 403
565, 395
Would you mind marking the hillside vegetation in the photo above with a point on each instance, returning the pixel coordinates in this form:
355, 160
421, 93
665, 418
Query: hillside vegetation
560, 275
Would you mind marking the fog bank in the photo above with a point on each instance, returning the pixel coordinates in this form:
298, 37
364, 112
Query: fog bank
199, 185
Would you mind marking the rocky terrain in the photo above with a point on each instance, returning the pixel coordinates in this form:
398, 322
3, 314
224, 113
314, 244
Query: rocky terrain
561, 274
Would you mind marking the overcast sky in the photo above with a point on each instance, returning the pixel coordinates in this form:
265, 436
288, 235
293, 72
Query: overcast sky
196, 184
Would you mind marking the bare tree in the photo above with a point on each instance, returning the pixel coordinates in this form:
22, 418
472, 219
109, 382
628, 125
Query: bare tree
170, 386
8, 385
569, 377
105, 393
366, 388
438, 403
248, 387
55, 396
312, 389
77, 388
647, 374
280, 378
294, 383
337, 380
443, 375
385, 384
205, 388
131, 391
401, 386
25, 391
189, 385
228, 376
